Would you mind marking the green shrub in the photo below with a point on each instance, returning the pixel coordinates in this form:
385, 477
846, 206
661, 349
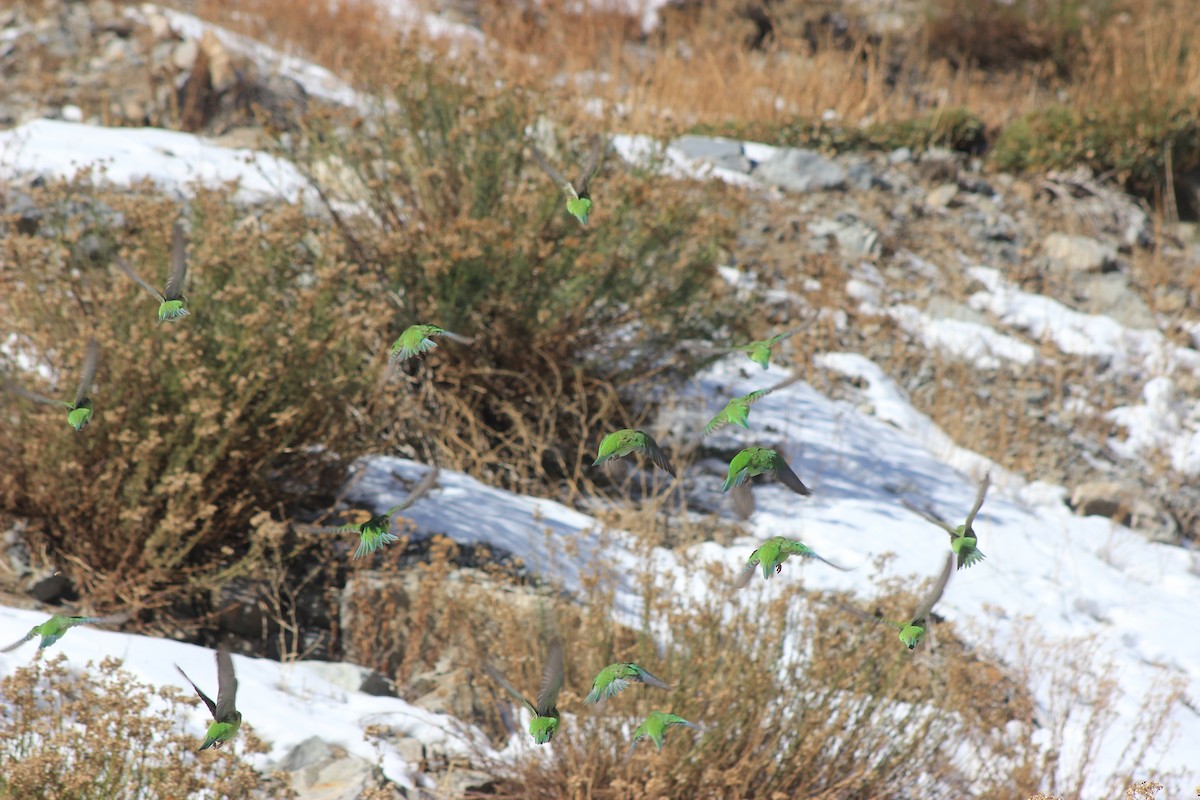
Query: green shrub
201, 425
99, 734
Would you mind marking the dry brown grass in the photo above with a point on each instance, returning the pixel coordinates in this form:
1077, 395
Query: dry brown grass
99, 734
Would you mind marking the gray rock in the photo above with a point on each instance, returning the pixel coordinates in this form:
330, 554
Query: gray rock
47, 585
352, 677
861, 175
309, 753
708, 148
183, 55
853, 237
1109, 294
942, 196
901, 155
1126, 504
323, 772
1079, 253
797, 170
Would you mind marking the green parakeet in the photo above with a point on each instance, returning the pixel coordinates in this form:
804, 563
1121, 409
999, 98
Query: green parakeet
656, 725
226, 718
54, 628
613, 679
579, 202
625, 441
758, 461
172, 304
963, 539
771, 554
377, 531
545, 720
79, 412
913, 631
736, 411
760, 351
417, 339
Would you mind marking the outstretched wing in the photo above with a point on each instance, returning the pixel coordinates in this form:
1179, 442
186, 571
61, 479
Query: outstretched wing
552, 679
174, 287
32, 633
743, 578
226, 686
495, 675
779, 337
789, 478
90, 359
743, 500
212, 707
427, 482
554, 174
34, 396
928, 516
652, 680
651, 449
935, 593
754, 397
590, 166
804, 551
128, 270
983, 489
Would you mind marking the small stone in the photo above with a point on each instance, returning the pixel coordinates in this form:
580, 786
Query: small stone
901, 155
796, 170
183, 55
1079, 253
942, 196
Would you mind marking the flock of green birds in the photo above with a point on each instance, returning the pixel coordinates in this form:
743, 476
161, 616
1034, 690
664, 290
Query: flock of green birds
375, 532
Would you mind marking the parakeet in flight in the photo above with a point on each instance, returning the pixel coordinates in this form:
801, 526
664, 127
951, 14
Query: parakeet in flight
736, 411
963, 539
545, 720
913, 631
172, 304
54, 628
656, 725
79, 412
226, 718
417, 339
771, 554
377, 530
758, 461
625, 441
613, 679
760, 351
579, 202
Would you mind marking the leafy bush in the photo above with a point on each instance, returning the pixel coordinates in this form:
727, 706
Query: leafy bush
201, 426
433, 193
99, 734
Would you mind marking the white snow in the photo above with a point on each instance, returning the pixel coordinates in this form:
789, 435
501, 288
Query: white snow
175, 161
284, 703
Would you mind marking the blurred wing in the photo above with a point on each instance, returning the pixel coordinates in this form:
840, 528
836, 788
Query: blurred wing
935, 593
789, 478
495, 675
174, 288
226, 686
592, 164
34, 396
929, 517
983, 489
652, 680
657, 455
554, 174
128, 270
743, 500
754, 397
20, 642
427, 482
90, 359
112, 619
552, 679
779, 337
743, 578
212, 707
717, 422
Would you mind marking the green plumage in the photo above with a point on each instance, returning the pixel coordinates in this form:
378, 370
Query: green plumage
545, 720
964, 541
758, 461
912, 633
579, 202
56, 627
418, 339
80, 411
613, 679
172, 304
619, 444
226, 718
735, 412
373, 534
770, 556
656, 725
759, 351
